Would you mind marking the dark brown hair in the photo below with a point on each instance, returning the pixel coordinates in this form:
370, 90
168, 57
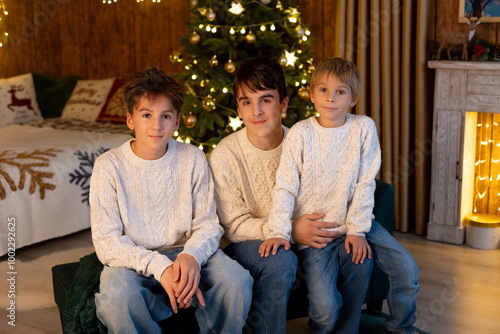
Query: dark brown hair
151, 84
260, 73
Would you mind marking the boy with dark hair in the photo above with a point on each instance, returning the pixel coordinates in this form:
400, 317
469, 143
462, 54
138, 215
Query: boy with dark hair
329, 164
154, 224
243, 166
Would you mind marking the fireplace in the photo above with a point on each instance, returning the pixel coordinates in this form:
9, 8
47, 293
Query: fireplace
465, 177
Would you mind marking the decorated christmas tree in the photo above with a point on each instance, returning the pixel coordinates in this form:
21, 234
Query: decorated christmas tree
222, 35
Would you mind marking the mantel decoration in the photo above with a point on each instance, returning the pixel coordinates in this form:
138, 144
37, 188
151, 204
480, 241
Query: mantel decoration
222, 35
472, 12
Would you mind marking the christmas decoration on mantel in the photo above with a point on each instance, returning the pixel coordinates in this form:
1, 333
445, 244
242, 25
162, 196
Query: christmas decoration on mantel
222, 35
3, 28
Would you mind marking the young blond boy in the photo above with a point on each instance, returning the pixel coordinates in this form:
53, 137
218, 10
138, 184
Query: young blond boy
154, 224
329, 164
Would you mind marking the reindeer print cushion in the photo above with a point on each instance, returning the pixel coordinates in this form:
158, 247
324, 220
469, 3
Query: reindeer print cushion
88, 99
18, 100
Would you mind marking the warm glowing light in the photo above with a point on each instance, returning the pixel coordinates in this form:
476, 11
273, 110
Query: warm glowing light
194, 77
224, 90
236, 8
235, 122
273, 27
262, 28
200, 26
176, 134
188, 141
214, 30
200, 147
243, 31
232, 31
290, 58
208, 28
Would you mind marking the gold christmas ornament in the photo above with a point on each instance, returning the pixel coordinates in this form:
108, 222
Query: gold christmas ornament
283, 60
175, 57
304, 94
213, 61
208, 103
230, 67
310, 68
210, 15
283, 115
279, 5
265, 2
190, 120
194, 3
300, 31
250, 38
194, 38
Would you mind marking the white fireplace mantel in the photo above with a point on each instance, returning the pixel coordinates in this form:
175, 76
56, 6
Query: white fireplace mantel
459, 87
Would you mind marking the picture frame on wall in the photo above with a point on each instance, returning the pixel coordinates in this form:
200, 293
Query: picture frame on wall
490, 10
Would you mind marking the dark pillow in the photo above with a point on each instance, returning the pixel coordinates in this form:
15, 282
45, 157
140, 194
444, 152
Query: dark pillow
52, 93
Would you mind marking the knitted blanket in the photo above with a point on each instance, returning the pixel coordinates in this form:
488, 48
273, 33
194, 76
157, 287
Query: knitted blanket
80, 312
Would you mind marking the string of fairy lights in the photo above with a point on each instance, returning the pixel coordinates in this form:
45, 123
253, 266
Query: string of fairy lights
291, 19
485, 163
3, 29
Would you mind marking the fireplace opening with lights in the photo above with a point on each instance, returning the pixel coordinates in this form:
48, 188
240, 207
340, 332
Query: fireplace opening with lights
465, 178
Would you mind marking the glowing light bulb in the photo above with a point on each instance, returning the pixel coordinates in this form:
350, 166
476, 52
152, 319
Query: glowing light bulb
273, 27
188, 141
200, 147
200, 26
214, 30
262, 28
232, 31
224, 90
208, 28
243, 31
194, 77
176, 134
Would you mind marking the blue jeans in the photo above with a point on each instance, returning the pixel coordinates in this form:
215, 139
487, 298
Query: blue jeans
131, 303
336, 287
401, 269
273, 278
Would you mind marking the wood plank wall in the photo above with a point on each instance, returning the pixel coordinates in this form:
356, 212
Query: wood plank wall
93, 40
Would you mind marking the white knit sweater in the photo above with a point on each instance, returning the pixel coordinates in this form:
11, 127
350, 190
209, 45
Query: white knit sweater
142, 207
244, 178
330, 170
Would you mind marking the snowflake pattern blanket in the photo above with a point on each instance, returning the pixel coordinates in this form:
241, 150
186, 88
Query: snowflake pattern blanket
45, 170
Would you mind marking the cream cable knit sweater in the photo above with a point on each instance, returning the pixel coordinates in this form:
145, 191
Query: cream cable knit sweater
330, 170
142, 207
244, 178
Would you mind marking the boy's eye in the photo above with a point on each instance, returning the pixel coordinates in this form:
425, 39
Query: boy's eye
322, 90
167, 116
341, 92
146, 115
266, 100
245, 103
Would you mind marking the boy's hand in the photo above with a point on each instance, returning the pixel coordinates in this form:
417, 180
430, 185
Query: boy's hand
181, 280
274, 244
307, 231
360, 248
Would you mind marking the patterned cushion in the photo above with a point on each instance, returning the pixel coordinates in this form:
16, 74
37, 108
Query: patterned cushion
88, 99
18, 100
115, 109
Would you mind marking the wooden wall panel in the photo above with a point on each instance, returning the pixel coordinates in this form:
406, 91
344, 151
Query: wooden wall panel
21, 43
94, 40
73, 32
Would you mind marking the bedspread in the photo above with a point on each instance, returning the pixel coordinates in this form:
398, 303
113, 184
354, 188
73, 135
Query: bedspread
45, 170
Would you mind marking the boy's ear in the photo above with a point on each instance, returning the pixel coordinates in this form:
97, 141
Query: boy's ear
354, 101
130, 122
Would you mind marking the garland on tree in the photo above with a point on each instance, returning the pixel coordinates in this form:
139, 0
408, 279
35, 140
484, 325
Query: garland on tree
222, 35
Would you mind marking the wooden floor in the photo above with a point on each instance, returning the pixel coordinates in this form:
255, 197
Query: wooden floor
459, 289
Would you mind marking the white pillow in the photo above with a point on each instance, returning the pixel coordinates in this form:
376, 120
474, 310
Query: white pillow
88, 99
18, 100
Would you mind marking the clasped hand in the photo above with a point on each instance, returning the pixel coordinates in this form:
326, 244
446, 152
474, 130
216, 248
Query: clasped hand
181, 280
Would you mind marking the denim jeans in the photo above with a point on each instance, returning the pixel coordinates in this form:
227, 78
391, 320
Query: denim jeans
336, 287
131, 303
273, 278
401, 269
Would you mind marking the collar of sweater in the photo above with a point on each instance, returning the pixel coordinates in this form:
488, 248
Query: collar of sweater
129, 154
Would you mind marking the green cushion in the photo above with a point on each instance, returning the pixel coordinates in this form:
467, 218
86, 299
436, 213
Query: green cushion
52, 93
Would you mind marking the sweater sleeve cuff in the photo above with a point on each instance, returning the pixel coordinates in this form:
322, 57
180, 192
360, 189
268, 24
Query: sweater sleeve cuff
158, 266
197, 256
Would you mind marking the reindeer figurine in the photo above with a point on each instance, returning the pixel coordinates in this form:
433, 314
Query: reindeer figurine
15, 102
454, 38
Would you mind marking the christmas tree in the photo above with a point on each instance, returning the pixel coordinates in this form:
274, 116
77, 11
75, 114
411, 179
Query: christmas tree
222, 35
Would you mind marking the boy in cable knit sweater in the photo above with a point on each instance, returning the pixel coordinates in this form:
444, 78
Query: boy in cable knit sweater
329, 164
154, 224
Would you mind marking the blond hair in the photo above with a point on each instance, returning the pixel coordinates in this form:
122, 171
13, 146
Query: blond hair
343, 69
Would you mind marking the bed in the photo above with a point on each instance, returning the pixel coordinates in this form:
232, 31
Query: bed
45, 170
51, 132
